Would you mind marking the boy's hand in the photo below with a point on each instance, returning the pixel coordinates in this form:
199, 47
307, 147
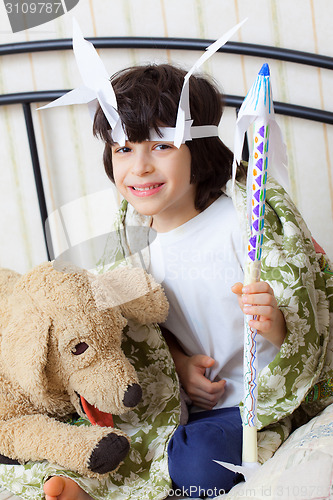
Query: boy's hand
258, 300
200, 389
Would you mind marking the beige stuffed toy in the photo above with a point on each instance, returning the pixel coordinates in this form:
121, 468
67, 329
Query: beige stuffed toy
61, 353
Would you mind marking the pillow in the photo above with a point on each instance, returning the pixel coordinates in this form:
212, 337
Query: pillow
302, 468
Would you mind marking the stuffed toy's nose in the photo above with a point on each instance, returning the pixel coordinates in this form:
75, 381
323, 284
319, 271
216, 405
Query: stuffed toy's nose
132, 395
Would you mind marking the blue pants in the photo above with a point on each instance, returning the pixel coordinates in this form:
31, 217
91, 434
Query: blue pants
208, 435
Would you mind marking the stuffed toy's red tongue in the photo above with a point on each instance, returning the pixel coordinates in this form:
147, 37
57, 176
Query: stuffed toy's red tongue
95, 416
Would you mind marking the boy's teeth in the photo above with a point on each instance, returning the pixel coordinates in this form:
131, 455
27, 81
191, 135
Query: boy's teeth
146, 188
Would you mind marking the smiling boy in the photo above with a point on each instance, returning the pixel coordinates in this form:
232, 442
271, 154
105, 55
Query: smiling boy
180, 192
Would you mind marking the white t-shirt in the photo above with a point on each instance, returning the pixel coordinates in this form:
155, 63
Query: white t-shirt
197, 264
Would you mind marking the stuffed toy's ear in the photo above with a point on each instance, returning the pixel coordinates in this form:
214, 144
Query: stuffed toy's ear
135, 292
24, 345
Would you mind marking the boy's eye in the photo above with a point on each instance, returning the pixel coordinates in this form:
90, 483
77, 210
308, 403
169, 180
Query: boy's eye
123, 150
160, 147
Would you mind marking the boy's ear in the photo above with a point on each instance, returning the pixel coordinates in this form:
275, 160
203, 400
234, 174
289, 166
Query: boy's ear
135, 292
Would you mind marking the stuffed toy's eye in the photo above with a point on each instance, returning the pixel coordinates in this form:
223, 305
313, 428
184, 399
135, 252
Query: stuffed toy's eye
80, 348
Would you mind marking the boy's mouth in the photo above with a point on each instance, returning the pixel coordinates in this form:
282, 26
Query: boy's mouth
146, 189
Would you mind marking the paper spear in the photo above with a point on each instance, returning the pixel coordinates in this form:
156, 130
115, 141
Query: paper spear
268, 149
256, 197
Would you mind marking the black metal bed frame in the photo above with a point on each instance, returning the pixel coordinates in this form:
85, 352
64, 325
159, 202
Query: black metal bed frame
263, 51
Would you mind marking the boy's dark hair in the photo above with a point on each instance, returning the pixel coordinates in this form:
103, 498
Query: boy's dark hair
147, 98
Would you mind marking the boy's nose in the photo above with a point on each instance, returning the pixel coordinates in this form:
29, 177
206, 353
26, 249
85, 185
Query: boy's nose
142, 164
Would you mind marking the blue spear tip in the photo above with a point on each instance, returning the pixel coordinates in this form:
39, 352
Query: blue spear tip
264, 70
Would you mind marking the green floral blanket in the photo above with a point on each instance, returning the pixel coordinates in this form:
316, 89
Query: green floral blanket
296, 385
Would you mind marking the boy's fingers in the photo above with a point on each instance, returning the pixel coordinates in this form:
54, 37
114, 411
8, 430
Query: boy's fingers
205, 387
201, 360
237, 288
209, 396
262, 299
258, 287
261, 326
218, 387
211, 387
262, 311
206, 399
199, 393
202, 403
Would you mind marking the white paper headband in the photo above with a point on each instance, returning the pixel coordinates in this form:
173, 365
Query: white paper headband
97, 87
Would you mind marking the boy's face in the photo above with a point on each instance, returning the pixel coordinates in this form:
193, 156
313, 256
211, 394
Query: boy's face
154, 177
